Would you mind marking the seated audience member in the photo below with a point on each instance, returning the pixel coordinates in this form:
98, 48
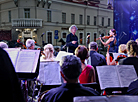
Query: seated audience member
95, 59
3, 45
132, 52
70, 71
133, 88
48, 53
88, 72
30, 44
10, 87
123, 54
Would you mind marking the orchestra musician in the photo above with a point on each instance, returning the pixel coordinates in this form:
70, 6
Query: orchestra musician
30, 44
111, 40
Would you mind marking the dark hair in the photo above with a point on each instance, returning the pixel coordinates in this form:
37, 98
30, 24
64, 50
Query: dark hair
132, 47
114, 31
81, 52
71, 66
93, 45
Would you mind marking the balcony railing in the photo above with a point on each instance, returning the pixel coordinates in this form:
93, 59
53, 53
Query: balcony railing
26, 22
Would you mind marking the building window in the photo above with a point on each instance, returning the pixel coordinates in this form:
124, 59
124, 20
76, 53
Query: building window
81, 38
88, 20
102, 21
9, 16
49, 37
81, 19
63, 17
48, 16
64, 35
108, 21
72, 18
27, 13
94, 20
94, 37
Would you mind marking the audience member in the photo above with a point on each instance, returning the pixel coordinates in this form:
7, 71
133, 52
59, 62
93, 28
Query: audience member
3, 45
122, 50
70, 71
10, 87
132, 50
95, 59
30, 44
48, 53
88, 72
133, 88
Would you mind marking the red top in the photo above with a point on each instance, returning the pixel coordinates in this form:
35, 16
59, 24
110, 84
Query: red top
85, 75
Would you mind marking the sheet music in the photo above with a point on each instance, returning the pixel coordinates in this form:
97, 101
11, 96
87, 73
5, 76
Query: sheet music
25, 61
115, 55
13, 53
127, 74
49, 73
108, 76
61, 54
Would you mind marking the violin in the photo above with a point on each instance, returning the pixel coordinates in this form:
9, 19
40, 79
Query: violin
19, 41
105, 37
42, 53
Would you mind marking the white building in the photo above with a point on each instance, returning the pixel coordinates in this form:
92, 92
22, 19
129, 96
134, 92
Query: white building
37, 18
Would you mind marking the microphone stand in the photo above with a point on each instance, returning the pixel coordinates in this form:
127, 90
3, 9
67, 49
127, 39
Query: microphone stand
42, 40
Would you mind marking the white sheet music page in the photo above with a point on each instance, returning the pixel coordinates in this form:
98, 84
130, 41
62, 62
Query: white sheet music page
61, 54
13, 54
108, 76
25, 61
127, 74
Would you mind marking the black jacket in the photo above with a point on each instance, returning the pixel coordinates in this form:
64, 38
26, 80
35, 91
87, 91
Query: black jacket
69, 39
10, 87
66, 93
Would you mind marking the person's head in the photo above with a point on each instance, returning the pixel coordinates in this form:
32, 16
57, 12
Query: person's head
93, 46
70, 68
136, 40
132, 48
122, 48
30, 44
48, 51
73, 29
112, 32
3, 45
81, 52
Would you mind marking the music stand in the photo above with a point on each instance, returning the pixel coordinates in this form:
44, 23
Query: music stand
117, 90
30, 76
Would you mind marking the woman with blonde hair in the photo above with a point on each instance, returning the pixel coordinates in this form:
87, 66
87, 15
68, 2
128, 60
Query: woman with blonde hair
122, 48
48, 53
123, 54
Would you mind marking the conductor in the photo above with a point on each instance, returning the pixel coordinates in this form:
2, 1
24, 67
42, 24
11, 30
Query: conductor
72, 39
